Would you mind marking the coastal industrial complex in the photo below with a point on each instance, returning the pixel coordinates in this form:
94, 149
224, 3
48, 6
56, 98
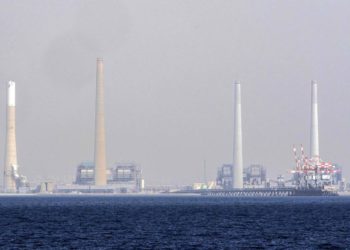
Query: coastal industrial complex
91, 177
96, 177
310, 172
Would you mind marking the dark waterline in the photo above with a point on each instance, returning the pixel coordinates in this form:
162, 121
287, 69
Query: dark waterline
174, 222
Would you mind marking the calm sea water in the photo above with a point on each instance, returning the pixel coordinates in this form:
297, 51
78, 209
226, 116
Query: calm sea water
174, 222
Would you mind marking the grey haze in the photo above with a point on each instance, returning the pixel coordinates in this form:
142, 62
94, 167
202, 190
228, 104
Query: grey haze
169, 70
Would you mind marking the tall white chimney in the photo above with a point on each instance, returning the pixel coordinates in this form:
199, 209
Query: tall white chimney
237, 167
314, 141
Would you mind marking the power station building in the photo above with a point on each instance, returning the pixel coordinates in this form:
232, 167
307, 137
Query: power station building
122, 177
224, 176
253, 176
85, 173
127, 176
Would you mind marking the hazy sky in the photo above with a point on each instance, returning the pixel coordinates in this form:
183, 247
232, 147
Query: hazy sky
169, 69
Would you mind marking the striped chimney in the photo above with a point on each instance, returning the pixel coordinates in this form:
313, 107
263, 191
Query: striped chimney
10, 169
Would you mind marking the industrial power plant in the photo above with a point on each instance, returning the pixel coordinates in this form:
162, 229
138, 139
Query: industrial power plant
91, 177
313, 172
95, 177
310, 176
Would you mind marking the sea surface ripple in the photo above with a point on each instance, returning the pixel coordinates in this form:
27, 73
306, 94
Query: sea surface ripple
174, 222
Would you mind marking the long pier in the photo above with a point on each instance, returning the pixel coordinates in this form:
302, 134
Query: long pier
261, 192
